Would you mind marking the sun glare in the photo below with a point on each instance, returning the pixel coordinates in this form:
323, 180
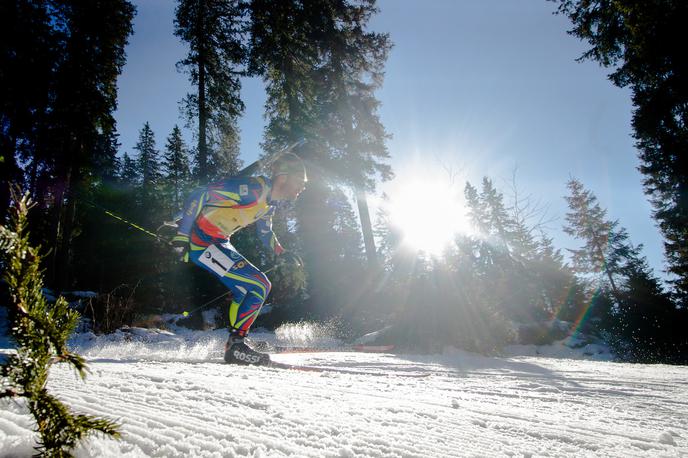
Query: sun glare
429, 214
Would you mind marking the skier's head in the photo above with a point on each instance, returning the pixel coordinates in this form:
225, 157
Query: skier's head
289, 177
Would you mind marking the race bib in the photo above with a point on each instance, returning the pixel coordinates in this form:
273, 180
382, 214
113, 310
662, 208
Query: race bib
216, 260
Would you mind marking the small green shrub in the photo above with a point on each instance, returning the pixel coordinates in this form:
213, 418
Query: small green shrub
40, 331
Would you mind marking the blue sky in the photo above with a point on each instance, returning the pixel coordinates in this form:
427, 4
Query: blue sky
477, 87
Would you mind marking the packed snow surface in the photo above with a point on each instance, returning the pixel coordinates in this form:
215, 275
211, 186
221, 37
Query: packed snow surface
173, 397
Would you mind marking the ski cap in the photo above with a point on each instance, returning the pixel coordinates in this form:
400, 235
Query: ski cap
289, 164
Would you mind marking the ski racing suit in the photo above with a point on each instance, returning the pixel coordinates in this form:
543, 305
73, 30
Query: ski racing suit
211, 215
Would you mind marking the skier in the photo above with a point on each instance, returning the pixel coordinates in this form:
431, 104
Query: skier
212, 214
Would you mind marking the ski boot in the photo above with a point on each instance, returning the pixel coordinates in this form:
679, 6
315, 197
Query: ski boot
237, 352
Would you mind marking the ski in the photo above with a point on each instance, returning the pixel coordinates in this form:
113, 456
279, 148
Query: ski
321, 369
297, 367
270, 348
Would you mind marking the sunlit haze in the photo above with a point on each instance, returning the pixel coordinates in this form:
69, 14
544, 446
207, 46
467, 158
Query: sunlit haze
428, 213
482, 86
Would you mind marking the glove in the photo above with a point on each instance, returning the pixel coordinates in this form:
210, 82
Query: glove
291, 258
180, 245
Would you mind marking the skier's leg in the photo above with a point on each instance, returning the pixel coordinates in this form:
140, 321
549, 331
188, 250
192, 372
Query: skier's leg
243, 311
249, 286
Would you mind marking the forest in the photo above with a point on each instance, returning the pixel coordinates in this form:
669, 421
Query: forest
99, 209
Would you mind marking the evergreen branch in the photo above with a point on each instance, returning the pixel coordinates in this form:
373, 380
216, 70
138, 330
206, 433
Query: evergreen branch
41, 332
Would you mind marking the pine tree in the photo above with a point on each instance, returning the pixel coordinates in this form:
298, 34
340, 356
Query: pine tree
498, 219
527, 218
645, 322
215, 32
352, 70
84, 100
321, 69
148, 162
106, 163
60, 61
642, 43
476, 211
643, 319
29, 53
226, 161
588, 222
128, 172
560, 290
41, 331
524, 278
177, 169
283, 52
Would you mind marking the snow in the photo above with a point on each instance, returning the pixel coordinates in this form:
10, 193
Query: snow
563, 349
174, 397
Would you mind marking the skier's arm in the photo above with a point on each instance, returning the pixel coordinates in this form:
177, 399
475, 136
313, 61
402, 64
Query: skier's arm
192, 208
267, 236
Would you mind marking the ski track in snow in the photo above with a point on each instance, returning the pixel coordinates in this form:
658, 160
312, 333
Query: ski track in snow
469, 406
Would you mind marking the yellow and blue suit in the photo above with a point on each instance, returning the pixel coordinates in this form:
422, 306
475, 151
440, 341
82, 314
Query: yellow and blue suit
211, 215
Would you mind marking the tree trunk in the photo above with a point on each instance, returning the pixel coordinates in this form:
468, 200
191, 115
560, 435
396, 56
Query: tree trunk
202, 110
615, 291
60, 245
367, 228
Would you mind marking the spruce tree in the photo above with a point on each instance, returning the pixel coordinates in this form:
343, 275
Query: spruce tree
106, 162
642, 42
352, 71
40, 331
60, 61
643, 318
321, 68
84, 100
388, 238
283, 52
588, 222
128, 172
149, 168
647, 327
523, 277
215, 31
226, 161
476, 211
177, 169
29, 53
497, 216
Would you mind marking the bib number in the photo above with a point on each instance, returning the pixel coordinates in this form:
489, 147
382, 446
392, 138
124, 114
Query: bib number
216, 260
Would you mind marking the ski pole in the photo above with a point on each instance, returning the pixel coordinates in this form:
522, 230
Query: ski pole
129, 223
264, 162
189, 312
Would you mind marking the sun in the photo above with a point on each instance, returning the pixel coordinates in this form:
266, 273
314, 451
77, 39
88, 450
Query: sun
428, 213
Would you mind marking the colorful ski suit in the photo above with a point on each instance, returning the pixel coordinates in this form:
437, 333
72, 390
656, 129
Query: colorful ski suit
211, 215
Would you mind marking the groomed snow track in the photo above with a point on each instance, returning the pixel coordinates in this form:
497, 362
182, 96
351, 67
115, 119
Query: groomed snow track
468, 406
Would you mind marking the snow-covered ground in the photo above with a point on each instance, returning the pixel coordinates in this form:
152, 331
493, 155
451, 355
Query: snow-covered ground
173, 397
